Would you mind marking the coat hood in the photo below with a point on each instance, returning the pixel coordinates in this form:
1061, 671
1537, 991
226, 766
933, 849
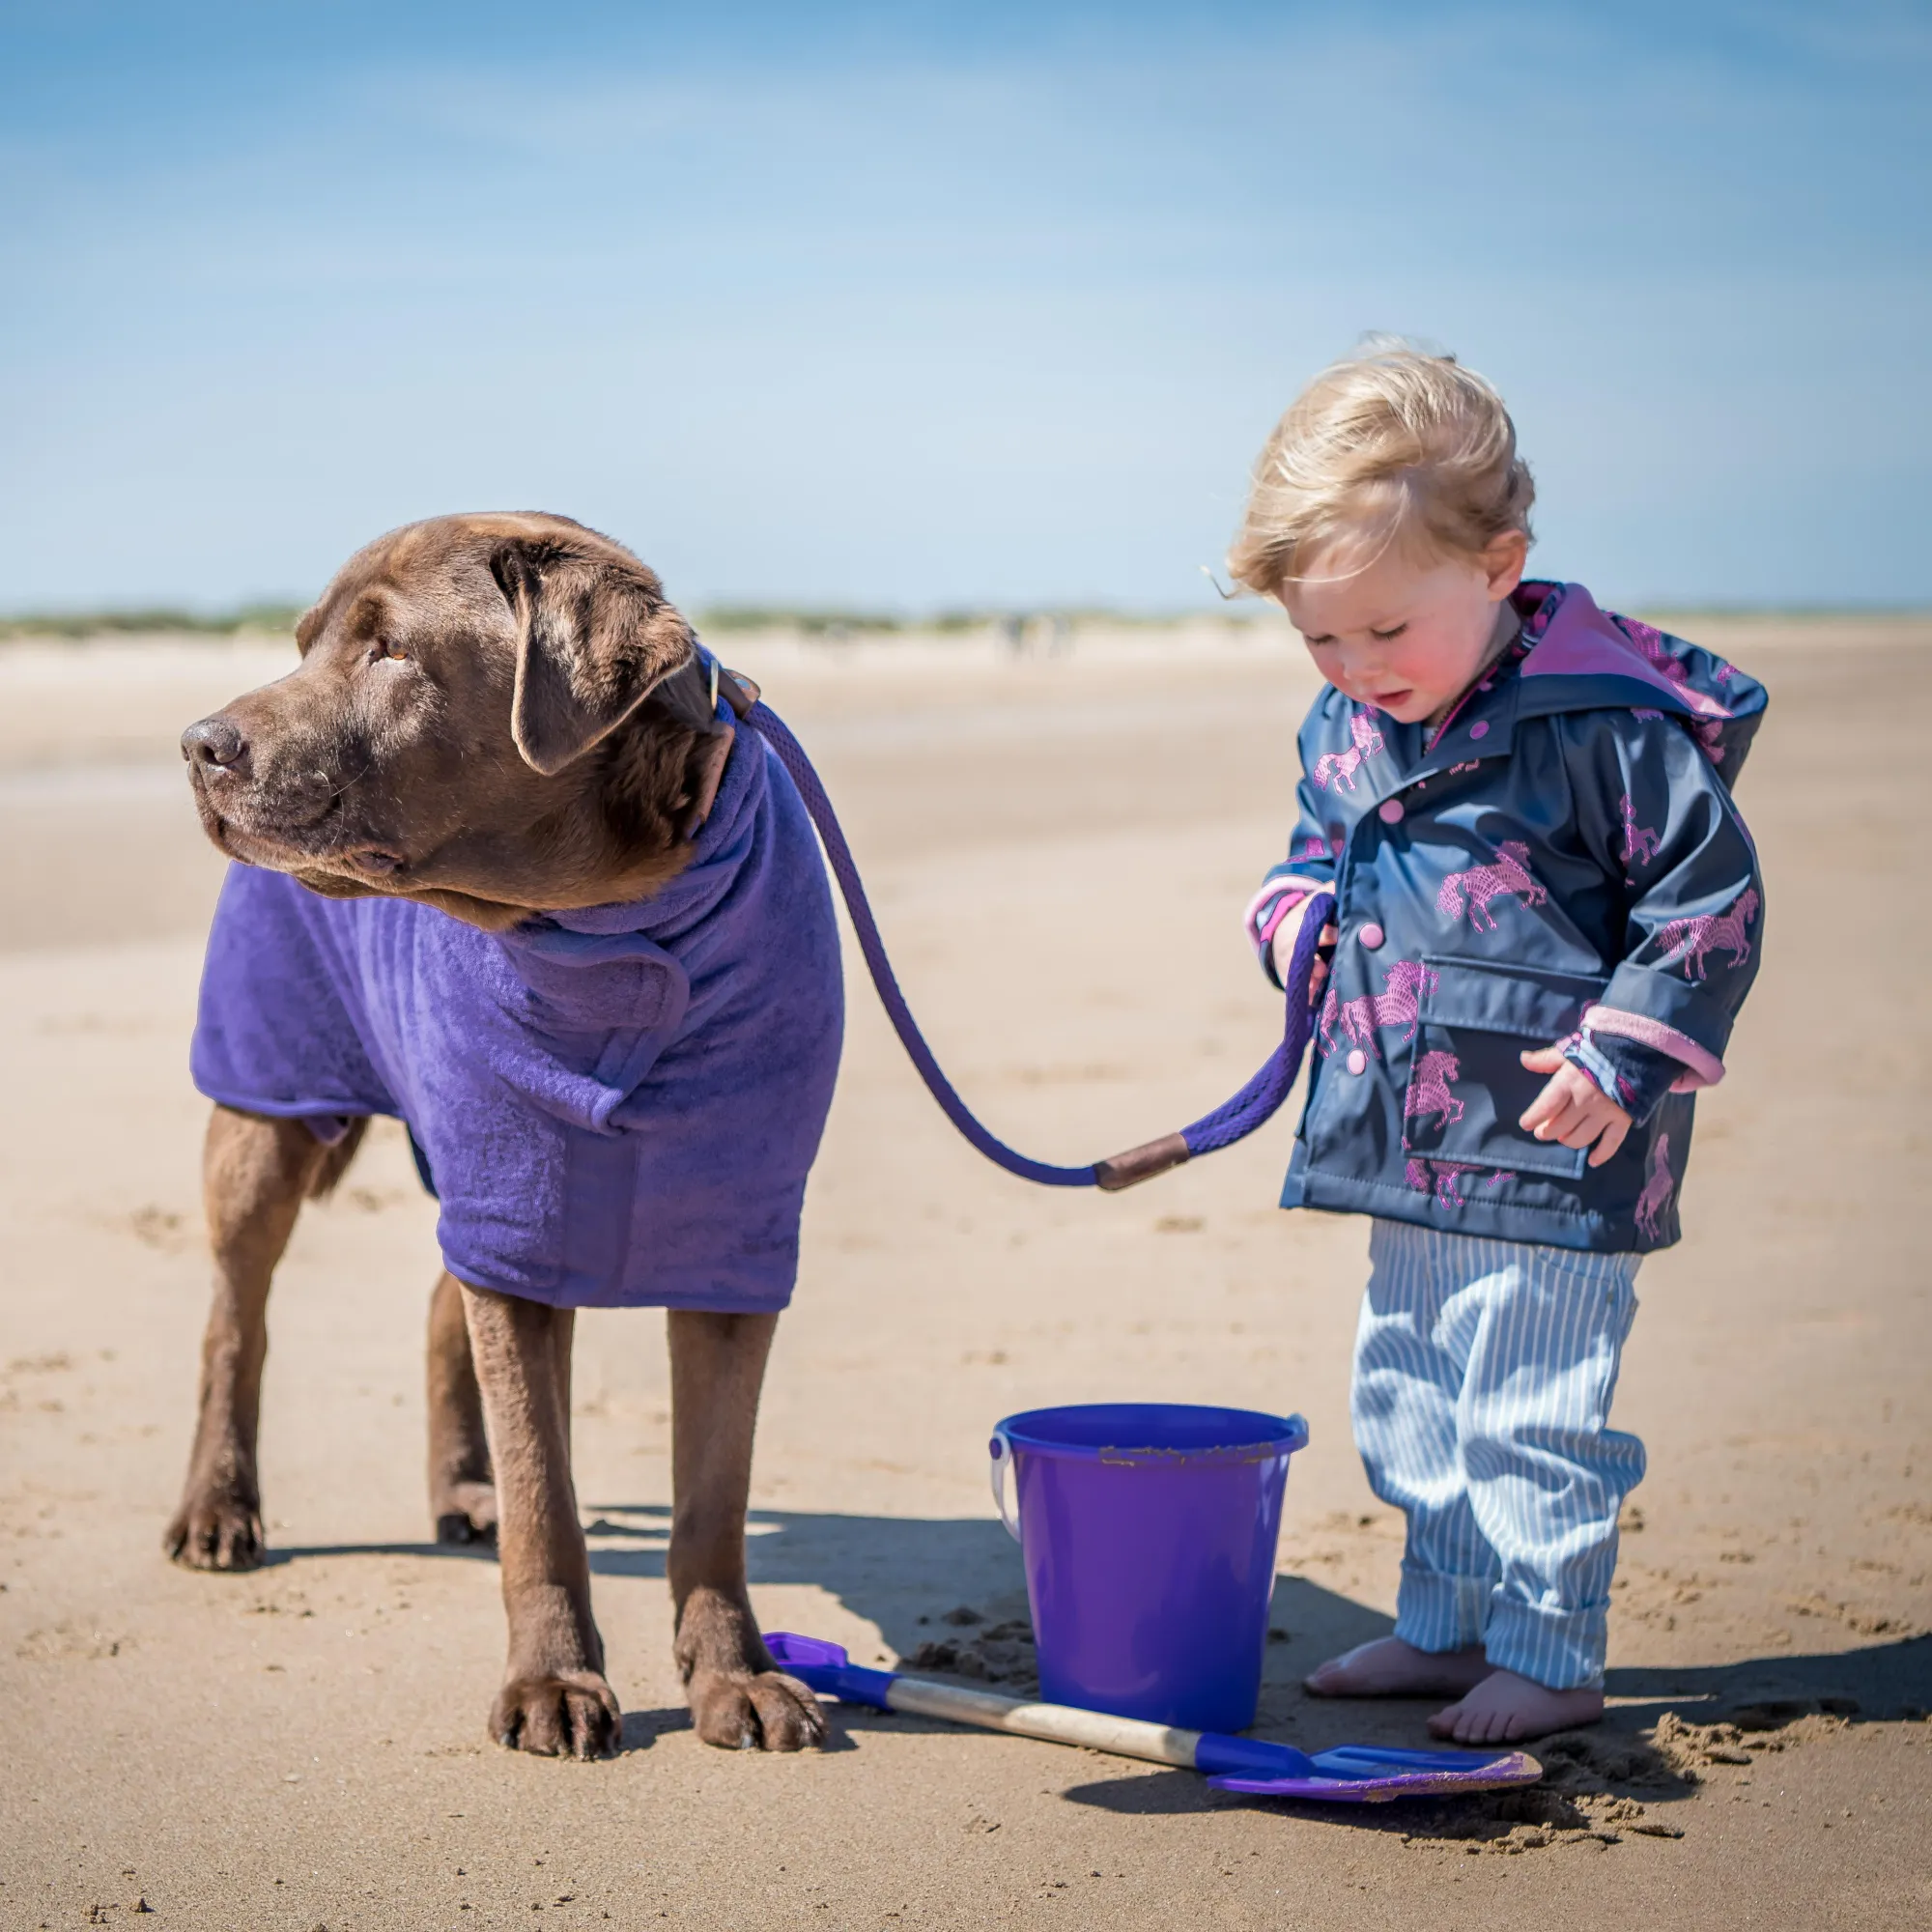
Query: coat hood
1583, 657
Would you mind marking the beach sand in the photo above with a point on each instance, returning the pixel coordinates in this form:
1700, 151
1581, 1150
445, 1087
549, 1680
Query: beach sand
1058, 849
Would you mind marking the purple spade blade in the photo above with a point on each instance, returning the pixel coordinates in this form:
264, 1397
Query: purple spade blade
1362, 1774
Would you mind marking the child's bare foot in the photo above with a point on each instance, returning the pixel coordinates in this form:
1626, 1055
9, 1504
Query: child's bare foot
1389, 1667
1505, 1708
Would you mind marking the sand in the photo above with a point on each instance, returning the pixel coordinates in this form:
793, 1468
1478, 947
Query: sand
1059, 850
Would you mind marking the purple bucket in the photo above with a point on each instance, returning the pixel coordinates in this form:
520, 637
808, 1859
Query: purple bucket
1149, 1530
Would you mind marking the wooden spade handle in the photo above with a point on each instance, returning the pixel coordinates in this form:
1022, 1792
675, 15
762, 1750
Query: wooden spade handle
1056, 1723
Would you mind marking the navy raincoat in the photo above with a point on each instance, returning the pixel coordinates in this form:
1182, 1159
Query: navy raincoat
1559, 861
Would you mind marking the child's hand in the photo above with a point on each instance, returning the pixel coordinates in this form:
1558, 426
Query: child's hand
1282, 944
1572, 1108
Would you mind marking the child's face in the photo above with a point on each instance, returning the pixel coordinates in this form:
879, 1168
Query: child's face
1405, 634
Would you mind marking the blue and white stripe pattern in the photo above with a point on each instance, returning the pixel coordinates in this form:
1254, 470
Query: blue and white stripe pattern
1484, 1374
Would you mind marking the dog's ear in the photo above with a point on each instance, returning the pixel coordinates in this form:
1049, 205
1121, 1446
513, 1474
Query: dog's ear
594, 636
307, 627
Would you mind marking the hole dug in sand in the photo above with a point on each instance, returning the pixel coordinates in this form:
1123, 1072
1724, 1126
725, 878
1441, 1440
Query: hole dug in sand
1598, 1786
1749, 1730
982, 1652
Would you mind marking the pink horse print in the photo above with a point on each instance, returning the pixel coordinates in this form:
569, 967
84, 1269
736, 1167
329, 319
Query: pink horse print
1429, 1089
1649, 639
1658, 1188
1399, 1004
1340, 767
1481, 883
1691, 938
1445, 1179
1640, 843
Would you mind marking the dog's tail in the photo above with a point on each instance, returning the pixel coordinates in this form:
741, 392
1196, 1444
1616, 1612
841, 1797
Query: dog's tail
335, 1159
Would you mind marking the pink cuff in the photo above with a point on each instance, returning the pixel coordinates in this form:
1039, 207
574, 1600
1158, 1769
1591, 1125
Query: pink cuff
1701, 1066
1273, 904
1265, 931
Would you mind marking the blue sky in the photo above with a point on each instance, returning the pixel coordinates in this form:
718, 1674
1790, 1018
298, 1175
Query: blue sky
906, 307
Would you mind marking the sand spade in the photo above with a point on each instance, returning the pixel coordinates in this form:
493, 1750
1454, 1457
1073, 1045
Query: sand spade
1348, 1774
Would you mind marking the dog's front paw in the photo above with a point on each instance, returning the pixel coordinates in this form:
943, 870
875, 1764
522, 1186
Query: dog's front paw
562, 1713
217, 1529
742, 1710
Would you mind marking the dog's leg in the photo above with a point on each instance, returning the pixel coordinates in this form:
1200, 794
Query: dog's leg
739, 1699
461, 1494
254, 1175
555, 1700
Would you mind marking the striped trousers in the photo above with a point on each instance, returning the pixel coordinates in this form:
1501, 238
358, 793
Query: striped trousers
1484, 1372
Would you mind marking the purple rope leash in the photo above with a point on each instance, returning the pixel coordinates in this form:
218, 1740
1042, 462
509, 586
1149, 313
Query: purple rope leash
1233, 1121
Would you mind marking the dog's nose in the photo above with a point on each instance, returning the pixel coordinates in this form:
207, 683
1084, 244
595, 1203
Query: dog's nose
213, 745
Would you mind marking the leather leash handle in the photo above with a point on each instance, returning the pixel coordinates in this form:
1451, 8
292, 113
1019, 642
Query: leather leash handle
1141, 1164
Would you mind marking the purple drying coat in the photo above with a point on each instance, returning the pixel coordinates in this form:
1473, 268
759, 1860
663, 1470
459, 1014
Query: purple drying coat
617, 1106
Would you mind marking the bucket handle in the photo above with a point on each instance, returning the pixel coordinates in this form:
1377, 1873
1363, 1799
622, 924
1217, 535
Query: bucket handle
1001, 1450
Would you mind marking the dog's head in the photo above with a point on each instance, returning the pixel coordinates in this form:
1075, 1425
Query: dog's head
469, 726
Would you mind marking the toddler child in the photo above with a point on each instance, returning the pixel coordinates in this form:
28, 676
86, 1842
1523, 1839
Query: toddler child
1548, 915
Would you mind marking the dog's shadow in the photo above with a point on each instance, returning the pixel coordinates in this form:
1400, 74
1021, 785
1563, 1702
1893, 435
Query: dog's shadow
902, 1574
910, 1576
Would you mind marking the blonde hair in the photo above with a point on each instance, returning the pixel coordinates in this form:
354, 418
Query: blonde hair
1388, 445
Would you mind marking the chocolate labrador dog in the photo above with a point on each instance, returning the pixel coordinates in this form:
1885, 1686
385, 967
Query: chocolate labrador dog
506, 872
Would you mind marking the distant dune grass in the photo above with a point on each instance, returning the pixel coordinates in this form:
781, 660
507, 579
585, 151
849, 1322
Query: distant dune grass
815, 621
156, 619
